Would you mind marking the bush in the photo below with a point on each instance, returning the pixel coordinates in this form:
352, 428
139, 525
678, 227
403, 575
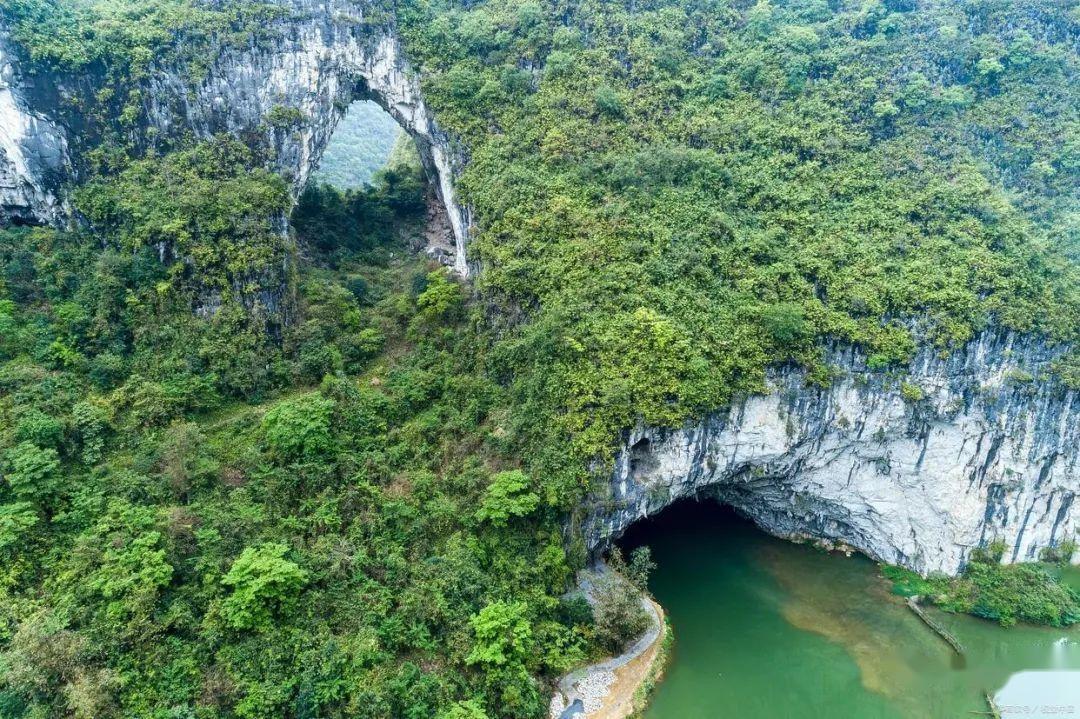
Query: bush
264, 584
1021, 592
299, 427
620, 616
503, 634
16, 520
33, 473
608, 101
507, 496
786, 324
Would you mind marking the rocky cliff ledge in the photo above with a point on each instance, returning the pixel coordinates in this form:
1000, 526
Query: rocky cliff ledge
283, 91
915, 470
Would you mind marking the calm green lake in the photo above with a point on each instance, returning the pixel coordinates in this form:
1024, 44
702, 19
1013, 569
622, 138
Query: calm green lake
766, 629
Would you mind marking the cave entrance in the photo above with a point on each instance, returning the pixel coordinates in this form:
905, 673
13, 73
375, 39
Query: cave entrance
766, 628
688, 521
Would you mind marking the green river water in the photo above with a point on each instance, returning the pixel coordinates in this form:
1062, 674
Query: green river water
766, 629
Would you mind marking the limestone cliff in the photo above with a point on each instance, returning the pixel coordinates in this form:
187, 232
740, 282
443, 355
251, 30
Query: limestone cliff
973, 451
916, 470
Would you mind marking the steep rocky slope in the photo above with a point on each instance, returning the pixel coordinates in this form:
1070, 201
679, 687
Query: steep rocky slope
983, 446
969, 448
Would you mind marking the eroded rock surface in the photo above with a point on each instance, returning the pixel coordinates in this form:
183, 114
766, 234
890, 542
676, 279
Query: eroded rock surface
990, 452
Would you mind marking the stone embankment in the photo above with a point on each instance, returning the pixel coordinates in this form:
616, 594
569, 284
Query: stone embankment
610, 689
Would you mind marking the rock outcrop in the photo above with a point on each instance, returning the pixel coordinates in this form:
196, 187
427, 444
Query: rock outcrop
917, 470
34, 158
283, 92
968, 452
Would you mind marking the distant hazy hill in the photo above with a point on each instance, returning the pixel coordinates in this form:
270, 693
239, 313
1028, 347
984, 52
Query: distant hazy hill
360, 147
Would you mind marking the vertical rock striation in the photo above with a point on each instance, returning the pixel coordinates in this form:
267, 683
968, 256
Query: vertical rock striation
33, 150
976, 447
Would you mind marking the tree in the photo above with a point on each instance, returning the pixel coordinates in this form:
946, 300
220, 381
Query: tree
183, 458
786, 324
441, 300
503, 634
641, 566
33, 473
15, 521
620, 616
470, 709
299, 427
264, 583
507, 496
132, 572
609, 102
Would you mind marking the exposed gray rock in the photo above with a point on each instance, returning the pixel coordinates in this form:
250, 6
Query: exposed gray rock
988, 454
33, 150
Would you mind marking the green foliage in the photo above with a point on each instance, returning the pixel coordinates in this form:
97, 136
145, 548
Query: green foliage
502, 634
912, 392
264, 585
755, 178
508, 496
667, 198
33, 474
1006, 593
640, 567
464, 710
205, 207
299, 427
333, 220
130, 574
284, 118
363, 142
70, 35
1019, 592
620, 616
16, 520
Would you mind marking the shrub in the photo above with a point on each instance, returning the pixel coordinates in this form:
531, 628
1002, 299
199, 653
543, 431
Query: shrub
912, 392
264, 584
608, 101
33, 473
16, 520
299, 427
470, 709
785, 323
620, 617
41, 429
503, 634
508, 496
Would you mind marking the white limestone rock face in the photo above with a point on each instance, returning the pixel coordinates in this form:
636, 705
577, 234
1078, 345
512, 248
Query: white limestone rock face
988, 454
33, 151
309, 66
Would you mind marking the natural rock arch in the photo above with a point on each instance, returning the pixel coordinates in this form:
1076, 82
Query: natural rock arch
314, 64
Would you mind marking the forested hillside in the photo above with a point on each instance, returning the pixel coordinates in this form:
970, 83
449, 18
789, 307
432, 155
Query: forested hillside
364, 500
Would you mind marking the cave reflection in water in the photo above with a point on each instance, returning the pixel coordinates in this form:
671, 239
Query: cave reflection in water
767, 629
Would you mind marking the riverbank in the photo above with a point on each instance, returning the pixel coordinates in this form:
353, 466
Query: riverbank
615, 688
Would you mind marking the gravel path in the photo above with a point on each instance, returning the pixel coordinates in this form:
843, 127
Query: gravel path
582, 691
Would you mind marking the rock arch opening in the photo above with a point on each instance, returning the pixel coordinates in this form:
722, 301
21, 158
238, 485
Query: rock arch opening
371, 180
362, 144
